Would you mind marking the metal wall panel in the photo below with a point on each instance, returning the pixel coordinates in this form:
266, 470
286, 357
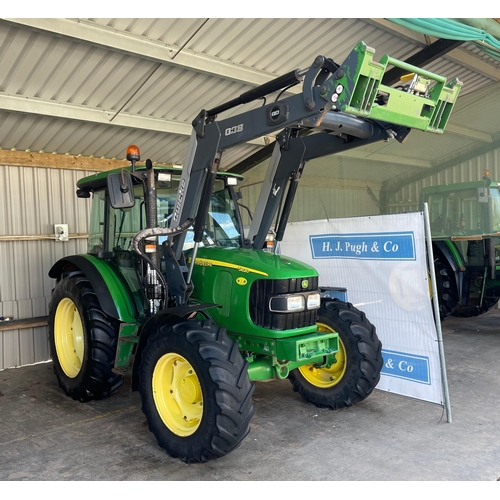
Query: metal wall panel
407, 198
316, 203
32, 200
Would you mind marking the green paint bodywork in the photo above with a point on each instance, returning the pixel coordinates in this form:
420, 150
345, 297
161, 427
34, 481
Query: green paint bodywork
116, 287
276, 358
299, 348
230, 286
362, 82
127, 338
456, 253
269, 368
225, 276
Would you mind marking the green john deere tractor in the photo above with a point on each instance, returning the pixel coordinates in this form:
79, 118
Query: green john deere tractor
465, 228
174, 292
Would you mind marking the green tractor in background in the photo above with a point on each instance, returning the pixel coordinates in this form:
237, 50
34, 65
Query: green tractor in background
465, 228
174, 292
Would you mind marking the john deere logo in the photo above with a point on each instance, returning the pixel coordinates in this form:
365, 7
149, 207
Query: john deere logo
305, 283
241, 281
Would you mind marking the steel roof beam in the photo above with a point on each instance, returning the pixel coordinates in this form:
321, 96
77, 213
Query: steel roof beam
123, 42
399, 160
74, 112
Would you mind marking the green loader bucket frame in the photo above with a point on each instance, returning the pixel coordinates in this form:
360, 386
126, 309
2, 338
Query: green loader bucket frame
425, 103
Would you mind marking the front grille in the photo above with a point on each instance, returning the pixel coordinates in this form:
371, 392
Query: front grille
263, 290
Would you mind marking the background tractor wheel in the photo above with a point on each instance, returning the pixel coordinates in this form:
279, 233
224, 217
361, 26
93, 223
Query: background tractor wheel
82, 341
359, 360
195, 391
488, 302
446, 288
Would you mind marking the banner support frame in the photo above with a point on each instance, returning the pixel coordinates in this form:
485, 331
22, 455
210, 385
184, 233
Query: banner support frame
437, 319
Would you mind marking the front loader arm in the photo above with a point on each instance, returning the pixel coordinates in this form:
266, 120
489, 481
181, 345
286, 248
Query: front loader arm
347, 104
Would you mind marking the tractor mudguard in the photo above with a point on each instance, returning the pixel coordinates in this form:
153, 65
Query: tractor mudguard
170, 315
109, 289
442, 249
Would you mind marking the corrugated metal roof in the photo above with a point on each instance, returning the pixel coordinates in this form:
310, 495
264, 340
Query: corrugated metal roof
91, 81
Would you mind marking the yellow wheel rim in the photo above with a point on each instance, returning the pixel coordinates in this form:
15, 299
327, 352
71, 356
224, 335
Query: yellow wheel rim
69, 338
326, 377
177, 394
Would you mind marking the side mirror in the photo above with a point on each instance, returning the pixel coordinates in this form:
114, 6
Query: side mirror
121, 190
81, 193
482, 195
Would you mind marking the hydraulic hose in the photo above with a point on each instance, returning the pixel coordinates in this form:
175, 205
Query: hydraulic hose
287, 80
158, 231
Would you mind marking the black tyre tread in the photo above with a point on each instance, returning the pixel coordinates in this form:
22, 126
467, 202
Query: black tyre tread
446, 288
488, 303
233, 390
97, 380
363, 353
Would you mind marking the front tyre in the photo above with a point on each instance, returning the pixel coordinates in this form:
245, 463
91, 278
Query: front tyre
82, 341
356, 371
195, 391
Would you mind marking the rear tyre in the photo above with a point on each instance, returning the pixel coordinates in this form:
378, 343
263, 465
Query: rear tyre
195, 391
82, 341
358, 362
446, 288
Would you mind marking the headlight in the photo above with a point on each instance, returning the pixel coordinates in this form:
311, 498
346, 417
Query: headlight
295, 302
313, 301
287, 303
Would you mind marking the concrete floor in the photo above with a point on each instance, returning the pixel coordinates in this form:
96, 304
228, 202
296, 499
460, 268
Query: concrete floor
46, 436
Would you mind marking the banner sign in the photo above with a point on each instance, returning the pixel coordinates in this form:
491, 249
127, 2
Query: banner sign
407, 366
381, 261
393, 246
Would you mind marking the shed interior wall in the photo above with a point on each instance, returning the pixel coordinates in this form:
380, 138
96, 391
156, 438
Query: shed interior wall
32, 200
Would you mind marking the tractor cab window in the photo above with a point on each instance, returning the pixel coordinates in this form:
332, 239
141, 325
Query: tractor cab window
96, 227
456, 213
465, 212
495, 210
221, 227
222, 222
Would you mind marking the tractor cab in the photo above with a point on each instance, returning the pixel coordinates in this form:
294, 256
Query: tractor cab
116, 219
464, 209
112, 229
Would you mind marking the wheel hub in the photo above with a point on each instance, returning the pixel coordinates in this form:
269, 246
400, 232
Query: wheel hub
188, 391
326, 377
177, 394
69, 337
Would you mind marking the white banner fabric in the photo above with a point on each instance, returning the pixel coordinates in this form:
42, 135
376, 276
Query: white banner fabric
381, 261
